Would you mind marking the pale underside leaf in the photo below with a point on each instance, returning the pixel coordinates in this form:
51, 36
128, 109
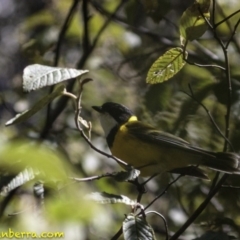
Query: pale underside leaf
166, 66
22, 178
129, 175
137, 228
36, 107
108, 198
37, 76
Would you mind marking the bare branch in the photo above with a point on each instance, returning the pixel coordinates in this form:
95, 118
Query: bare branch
164, 220
227, 18
163, 192
209, 115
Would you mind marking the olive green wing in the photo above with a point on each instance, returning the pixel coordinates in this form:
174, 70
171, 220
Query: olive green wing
220, 161
150, 135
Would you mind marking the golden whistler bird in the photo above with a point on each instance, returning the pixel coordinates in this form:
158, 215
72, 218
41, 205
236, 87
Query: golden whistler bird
153, 151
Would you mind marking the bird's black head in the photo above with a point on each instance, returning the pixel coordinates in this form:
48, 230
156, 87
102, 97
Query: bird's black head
120, 113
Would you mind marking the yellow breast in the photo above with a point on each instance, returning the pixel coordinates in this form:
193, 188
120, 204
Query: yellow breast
149, 158
143, 156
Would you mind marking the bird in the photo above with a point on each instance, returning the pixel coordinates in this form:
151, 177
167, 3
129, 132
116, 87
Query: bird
152, 151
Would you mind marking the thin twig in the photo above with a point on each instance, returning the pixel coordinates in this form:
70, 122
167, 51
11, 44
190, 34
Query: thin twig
163, 192
107, 23
86, 41
88, 179
118, 234
217, 187
78, 125
205, 65
214, 182
62, 33
199, 210
213, 12
178, 193
164, 220
227, 18
65, 93
233, 33
209, 115
234, 40
61, 104
231, 186
153, 176
228, 77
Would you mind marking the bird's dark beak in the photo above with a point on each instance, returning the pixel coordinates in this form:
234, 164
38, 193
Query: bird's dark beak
98, 109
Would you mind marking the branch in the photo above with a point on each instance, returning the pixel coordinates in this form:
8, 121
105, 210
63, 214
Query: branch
204, 65
88, 179
233, 34
61, 104
227, 18
209, 115
164, 220
215, 186
86, 41
64, 29
62, 33
199, 210
163, 192
78, 125
227, 72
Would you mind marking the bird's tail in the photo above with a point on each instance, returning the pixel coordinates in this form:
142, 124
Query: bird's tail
224, 162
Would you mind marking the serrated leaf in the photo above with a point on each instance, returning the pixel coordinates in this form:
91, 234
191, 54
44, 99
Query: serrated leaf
36, 107
192, 24
38, 189
137, 228
38, 76
106, 198
22, 178
166, 66
126, 176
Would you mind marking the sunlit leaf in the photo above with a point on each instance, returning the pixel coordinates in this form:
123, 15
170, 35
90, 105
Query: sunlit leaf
105, 198
36, 107
38, 76
166, 66
192, 23
137, 228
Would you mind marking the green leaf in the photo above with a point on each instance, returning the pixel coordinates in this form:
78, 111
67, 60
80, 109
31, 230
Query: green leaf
36, 107
192, 24
68, 206
38, 76
106, 198
44, 161
137, 228
166, 66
